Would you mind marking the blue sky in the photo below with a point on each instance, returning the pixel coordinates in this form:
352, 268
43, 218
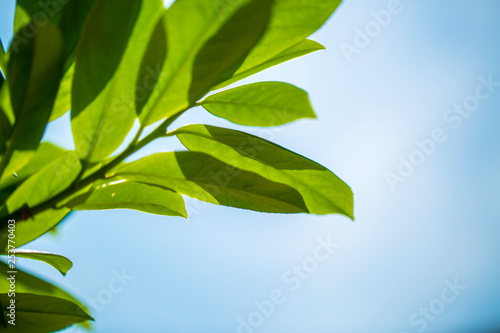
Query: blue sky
407, 245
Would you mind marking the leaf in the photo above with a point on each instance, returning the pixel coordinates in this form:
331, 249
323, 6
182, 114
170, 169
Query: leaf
27, 283
131, 195
30, 229
107, 64
291, 22
34, 71
5, 123
42, 314
44, 155
260, 104
61, 263
46, 183
3, 67
188, 24
205, 178
223, 53
323, 191
69, 16
62, 103
298, 50
151, 66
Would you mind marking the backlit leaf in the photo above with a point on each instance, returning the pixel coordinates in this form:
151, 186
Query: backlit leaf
223, 53
188, 24
302, 48
291, 22
107, 65
59, 262
131, 195
261, 104
205, 178
34, 71
323, 191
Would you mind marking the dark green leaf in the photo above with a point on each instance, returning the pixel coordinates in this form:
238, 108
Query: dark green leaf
5, 123
323, 191
42, 314
261, 104
27, 283
205, 178
223, 53
107, 65
69, 16
34, 71
131, 195
62, 264
304, 47
3, 67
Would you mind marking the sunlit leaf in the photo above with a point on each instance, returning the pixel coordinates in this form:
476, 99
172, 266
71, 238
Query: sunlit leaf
62, 103
323, 191
34, 71
261, 104
189, 24
42, 314
59, 262
151, 67
44, 155
46, 183
205, 178
223, 53
107, 64
131, 195
291, 22
304, 47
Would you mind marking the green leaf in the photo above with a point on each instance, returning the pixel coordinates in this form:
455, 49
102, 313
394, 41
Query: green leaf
107, 65
59, 262
260, 104
151, 67
223, 53
131, 195
188, 24
304, 47
323, 191
44, 155
46, 183
29, 229
62, 103
5, 123
42, 314
205, 178
69, 16
291, 22
3, 66
27, 283
34, 71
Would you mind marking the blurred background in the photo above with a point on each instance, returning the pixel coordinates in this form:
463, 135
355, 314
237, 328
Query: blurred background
423, 253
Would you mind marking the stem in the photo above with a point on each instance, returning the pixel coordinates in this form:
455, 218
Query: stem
101, 173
